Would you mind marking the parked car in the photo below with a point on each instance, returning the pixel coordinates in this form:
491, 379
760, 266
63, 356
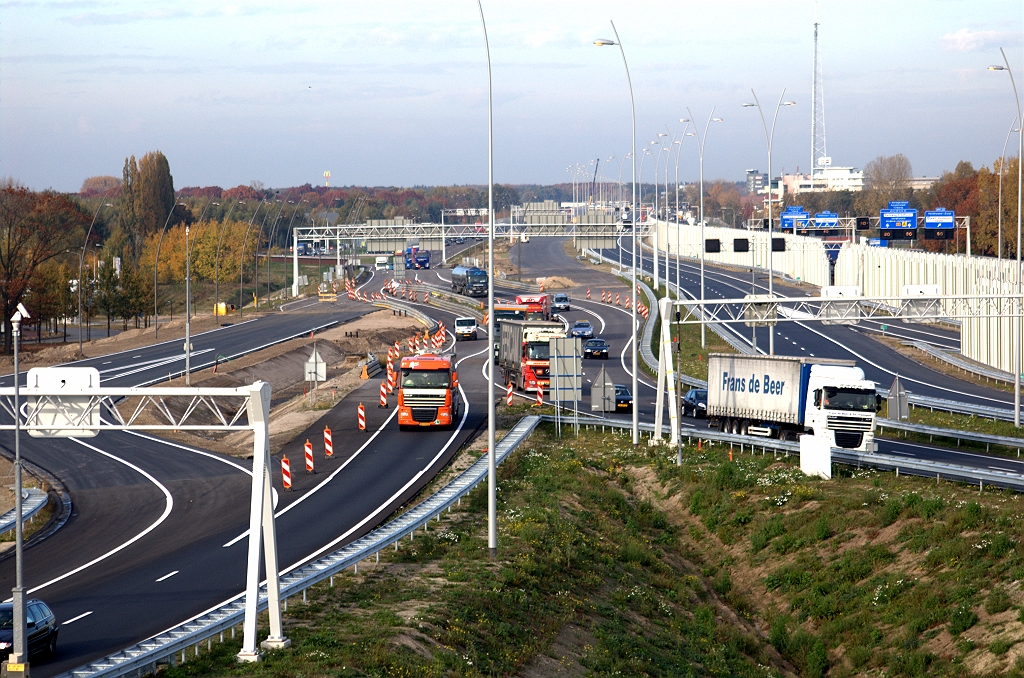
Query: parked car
623, 399
596, 348
41, 631
560, 303
582, 329
695, 403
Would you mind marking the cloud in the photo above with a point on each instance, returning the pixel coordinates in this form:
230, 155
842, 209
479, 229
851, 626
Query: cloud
966, 40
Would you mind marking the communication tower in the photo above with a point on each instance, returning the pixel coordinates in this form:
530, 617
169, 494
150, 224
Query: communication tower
819, 154
327, 179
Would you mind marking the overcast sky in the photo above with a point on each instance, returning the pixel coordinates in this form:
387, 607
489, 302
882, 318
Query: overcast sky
395, 93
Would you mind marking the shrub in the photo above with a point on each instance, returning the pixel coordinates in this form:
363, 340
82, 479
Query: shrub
962, 619
997, 601
1000, 646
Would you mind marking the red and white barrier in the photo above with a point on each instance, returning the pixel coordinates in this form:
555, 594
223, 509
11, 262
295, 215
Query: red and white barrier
540, 397
391, 381
328, 443
362, 417
383, 395
617, 302
308, 448
508, 394
588, 293
286, 472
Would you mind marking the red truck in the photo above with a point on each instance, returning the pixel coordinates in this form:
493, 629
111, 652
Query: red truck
538, 306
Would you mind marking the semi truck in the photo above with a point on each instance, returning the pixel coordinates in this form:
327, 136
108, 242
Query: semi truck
524, 357
469, 281
428, 391
538, 306
417, 258
784, 397
504, 312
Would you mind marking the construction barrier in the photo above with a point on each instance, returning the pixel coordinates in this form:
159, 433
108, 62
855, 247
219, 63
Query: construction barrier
362, 418
383, 395
286, 473
391, 381
308, 449
328, 443
540, 397
508, 394
588, 293
617, 302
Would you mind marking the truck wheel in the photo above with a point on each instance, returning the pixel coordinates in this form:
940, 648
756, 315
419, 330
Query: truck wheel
743, 427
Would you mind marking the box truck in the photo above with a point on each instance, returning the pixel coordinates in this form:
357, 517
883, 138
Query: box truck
784, 397
524, 356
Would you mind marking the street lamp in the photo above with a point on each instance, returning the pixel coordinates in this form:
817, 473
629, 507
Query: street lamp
633, 351
216, 262
679, 149
1002, 163
1020, 185
81, 265
156, 269
768, 140
19, 652
188, 295
700, 146
492, 474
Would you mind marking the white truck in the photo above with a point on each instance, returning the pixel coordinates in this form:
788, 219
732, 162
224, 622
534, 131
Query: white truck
381, 264
465, 328
784, 397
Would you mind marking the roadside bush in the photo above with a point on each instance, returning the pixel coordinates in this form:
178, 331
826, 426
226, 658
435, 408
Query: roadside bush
962, 619
997, 601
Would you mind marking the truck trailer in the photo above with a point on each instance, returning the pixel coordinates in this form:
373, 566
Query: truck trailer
524, 356
784, 397
469, 281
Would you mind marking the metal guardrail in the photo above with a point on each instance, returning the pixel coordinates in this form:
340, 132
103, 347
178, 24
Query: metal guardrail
932, 431
144, 657
954, 359
955, 406
517, 285
431, 324
33, 501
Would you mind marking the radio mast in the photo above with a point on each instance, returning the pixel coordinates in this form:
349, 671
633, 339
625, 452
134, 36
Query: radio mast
819, 154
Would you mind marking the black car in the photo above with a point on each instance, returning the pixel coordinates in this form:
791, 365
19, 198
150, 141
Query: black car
582, 329
623, 399
695, 403
596, 348
40, 632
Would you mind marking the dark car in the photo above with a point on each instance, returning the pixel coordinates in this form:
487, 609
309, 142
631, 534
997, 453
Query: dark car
582, 329
623, 399
596, 348
40, 632
695, 403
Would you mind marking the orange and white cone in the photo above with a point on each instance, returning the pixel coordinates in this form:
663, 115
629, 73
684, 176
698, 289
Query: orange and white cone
588, 293
328, 443
308, 447
508, 394
627, 301
362, 418
618, 302
540, 397
383, 395
286, 472
391, 381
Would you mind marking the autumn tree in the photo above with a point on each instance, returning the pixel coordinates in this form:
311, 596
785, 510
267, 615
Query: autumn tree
104, 185
34, 228
886, 178
156, 192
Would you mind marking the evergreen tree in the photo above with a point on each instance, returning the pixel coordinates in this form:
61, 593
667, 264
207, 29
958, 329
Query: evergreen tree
128, 236
156, 192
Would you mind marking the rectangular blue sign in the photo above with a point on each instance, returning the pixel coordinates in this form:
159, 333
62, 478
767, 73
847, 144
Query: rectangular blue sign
794, 217
898, 217
826, 220
877, 242
939, 218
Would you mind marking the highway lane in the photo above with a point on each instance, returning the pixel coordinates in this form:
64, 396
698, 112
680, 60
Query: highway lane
800, 338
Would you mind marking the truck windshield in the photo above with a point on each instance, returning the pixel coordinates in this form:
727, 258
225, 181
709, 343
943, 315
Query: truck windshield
509, 315
477, 278
538, 351
535, 315
464, 323
856, 399
424, 379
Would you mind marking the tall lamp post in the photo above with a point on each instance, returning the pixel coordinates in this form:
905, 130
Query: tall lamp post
188, 295
768, 136
156, 270
700, 146
633, 349
1020, 185
1002, 163
19, 652
81, 268
492, 475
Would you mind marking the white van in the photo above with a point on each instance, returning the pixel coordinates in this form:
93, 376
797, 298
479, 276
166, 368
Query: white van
465, 328
381, 264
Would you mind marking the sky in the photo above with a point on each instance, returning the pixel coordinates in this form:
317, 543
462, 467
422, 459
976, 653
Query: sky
394, 93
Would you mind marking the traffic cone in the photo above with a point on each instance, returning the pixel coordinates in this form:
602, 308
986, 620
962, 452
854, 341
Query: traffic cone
588, 293
391, 381
383, 395
541, 285
328, 443
362, 418
508, 395
617, 301
286, 472
308, 448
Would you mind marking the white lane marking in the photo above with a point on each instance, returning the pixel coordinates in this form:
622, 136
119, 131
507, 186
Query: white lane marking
74, 619
1005, 470
167, 576
365, 283
148, 365
596, 315
107, 362
168, 506
438, 274
195, 450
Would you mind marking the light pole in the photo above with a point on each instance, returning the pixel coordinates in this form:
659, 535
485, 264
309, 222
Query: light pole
492, 475
20, 651
216, 261
639, 254
81, 266
1002, 163
1020, 185
700, 147
633, 351
768, 140
156, 269
682, 137
241, 257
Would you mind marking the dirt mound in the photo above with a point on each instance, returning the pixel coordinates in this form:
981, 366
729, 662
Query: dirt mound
556, 282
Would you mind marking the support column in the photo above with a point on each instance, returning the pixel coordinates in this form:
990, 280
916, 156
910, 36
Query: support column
295, 264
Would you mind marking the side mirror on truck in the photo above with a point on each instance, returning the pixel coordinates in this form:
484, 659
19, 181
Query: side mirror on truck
817, 397
878, 403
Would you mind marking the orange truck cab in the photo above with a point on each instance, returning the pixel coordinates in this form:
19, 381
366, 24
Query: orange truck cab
428, 391
538, 306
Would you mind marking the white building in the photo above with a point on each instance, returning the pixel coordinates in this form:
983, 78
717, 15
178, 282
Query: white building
825, 179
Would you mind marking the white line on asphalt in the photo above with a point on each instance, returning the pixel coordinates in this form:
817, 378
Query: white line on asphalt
1006, 470
168, 575
593, 313
74, 619
168, 506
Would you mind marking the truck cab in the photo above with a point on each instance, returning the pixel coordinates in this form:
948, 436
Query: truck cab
538, 306
841, 406
428, 392
381, 264
465, 328
525, 356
